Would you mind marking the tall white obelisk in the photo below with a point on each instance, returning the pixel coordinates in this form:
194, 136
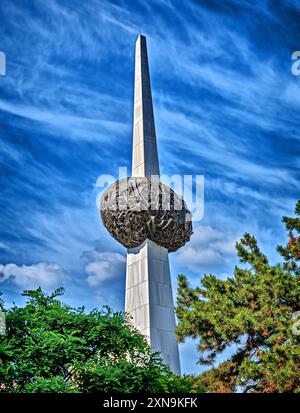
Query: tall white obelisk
149, 299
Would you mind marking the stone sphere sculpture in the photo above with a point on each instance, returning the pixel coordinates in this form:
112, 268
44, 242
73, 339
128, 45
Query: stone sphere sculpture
135, 209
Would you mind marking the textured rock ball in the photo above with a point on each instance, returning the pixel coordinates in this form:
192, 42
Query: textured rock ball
136, 209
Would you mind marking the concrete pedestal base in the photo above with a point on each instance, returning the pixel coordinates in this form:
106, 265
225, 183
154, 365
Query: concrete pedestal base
149, 299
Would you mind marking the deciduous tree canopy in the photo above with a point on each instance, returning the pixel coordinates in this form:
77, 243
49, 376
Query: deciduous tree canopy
52, 347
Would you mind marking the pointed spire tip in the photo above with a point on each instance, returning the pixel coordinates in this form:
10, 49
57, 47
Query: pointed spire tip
140, 36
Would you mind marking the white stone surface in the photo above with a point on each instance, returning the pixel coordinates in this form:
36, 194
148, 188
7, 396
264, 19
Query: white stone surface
144, 154
149, 299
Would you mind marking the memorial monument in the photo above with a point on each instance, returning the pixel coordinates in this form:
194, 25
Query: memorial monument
150, 220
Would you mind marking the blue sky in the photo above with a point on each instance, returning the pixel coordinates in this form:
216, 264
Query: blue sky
226, 105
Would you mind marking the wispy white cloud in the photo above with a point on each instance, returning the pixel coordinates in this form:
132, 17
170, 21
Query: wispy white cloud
74, 127
209, 249
43, 274
103, 267
4, 246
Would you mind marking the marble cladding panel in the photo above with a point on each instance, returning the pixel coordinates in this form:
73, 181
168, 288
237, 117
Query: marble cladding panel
137, 296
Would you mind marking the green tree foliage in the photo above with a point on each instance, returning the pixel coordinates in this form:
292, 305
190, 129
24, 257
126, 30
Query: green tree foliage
291, 252
52, 347
249, 314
